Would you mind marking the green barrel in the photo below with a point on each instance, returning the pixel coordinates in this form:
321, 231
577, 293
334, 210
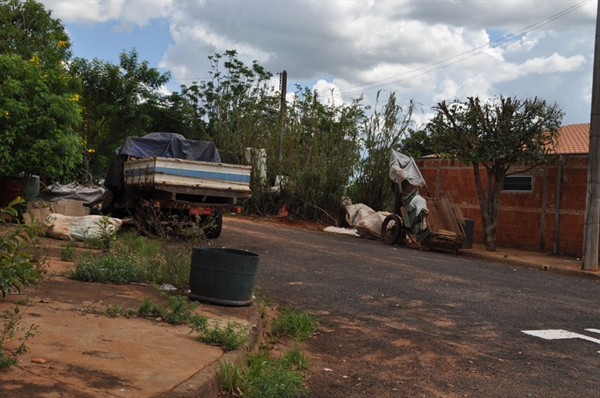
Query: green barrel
223, 276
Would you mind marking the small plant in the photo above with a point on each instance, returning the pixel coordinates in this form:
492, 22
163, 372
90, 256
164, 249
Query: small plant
115, 310
67, 253
229, 338
149, 309
17, 269
298, 325
9, 332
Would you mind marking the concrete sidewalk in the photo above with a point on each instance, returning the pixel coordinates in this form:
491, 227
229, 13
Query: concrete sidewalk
536, 260
79, 351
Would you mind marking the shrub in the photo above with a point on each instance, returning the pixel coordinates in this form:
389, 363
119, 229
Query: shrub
16, 266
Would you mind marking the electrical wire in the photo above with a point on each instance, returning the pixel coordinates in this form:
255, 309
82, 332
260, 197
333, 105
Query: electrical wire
463, 56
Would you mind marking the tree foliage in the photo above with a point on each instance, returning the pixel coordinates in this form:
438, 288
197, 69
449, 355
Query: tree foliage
117, 102
39, 109
495, 135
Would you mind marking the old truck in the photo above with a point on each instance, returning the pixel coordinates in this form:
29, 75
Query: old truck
431, 223
163, 178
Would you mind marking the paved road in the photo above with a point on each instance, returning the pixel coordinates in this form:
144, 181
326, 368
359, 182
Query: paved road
402, 322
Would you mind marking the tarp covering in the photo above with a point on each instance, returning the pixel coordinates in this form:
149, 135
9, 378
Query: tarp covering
90, 196
166, 145
402, 168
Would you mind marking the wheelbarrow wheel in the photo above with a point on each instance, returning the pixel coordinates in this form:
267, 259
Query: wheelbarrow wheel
392, 230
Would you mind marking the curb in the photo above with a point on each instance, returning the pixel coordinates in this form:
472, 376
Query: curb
206, 382
528, 264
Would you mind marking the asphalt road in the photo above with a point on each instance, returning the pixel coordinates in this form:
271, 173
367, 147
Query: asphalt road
401, 322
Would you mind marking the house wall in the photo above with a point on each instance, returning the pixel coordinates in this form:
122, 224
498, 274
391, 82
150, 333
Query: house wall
527, 219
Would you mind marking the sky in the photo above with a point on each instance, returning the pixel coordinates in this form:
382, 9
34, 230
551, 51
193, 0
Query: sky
423, 50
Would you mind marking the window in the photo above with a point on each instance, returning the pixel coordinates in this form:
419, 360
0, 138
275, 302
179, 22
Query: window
518, 183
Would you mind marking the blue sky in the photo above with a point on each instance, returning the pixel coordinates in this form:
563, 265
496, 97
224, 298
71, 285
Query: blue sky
427, 51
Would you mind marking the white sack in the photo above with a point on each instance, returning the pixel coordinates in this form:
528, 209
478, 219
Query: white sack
371, 225
79, 228
355, 213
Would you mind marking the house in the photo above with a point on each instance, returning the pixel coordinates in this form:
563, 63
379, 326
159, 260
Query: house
540, 209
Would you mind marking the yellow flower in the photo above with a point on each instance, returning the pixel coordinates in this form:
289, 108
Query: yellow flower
91, 150
62, 43
6, 113
84, 143
75, 97
46, 75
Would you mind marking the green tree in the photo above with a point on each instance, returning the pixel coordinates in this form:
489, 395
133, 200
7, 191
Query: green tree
495, 135
39, 109
28, 29
416, 143
117, 102
380, 133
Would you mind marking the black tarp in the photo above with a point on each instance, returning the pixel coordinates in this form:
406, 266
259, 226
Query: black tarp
166, 145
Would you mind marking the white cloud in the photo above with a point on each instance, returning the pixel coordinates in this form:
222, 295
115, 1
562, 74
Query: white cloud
426, 51
98, 11
329, 93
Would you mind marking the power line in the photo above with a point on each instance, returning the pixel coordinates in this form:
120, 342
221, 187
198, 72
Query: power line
463, 56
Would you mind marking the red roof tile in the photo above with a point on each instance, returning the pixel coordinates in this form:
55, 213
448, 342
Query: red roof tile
573, 138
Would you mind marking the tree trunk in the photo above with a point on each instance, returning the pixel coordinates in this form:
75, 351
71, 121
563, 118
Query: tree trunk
489, 202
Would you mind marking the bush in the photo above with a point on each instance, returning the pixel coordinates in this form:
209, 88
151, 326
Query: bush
17, 269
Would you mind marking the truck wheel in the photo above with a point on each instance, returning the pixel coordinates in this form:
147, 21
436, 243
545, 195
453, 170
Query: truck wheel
392, 230
213, 225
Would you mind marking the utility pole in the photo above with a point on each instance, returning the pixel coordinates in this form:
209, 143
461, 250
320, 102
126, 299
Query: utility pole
592, 204
282, 107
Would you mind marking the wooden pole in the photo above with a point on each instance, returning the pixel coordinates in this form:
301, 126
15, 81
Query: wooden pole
592, 205
282, 107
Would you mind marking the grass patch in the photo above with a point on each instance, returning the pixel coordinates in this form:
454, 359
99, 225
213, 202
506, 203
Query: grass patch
108, 268
230, 337
265, 376
297, 325
133, 258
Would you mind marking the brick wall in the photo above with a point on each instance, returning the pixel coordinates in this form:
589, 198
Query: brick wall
527, 219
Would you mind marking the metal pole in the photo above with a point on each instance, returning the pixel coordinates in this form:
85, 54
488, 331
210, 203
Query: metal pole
592, 205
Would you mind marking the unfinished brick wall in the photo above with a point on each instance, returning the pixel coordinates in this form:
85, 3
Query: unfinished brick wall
527, 219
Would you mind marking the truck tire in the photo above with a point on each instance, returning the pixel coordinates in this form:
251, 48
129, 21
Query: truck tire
213, 225
392, 230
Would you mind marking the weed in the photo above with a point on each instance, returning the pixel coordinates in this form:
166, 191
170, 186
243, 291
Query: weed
229, 338
11, 331
149, 309
231, 377
115, 310
177, 312
67, 253
298, 325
